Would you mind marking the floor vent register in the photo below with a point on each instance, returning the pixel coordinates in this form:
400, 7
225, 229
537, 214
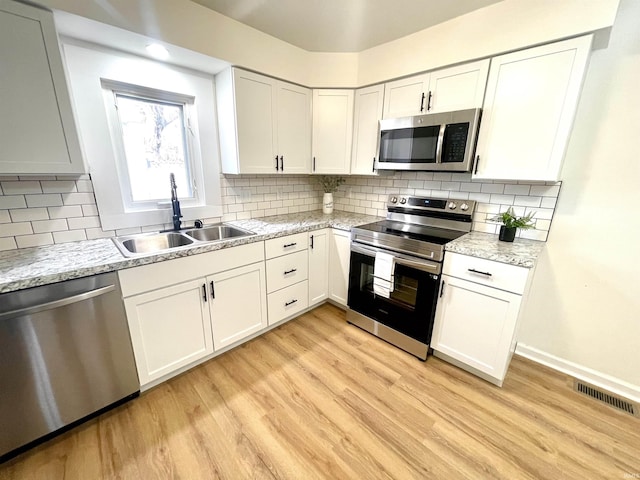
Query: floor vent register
607, 398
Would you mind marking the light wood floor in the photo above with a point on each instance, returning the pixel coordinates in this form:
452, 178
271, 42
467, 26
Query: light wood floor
318, 398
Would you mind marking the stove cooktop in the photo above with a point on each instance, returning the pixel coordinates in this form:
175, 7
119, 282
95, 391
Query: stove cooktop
433, 235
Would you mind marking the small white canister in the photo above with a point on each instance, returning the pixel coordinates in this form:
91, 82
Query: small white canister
327, 203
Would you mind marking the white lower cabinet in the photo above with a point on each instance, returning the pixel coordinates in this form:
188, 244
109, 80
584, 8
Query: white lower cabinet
288, 301
319, 265
170, 328
237, 303
476, 324
339, 254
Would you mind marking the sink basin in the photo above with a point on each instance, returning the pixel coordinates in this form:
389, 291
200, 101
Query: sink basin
217, 232
151, 243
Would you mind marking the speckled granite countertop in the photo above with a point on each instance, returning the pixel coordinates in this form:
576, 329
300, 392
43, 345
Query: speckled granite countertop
31, 267
520, 252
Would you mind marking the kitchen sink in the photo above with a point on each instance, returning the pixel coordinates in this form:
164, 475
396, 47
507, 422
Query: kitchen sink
149, 243
217, 232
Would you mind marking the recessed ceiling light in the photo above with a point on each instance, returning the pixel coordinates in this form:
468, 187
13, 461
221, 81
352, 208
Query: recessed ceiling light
158, 51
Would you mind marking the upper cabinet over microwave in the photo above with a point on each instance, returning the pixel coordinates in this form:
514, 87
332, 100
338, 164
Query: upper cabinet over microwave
434, 142
37, 131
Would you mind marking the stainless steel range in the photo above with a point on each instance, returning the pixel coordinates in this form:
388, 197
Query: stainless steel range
395, 267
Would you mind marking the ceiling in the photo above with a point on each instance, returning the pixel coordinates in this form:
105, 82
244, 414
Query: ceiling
342, 25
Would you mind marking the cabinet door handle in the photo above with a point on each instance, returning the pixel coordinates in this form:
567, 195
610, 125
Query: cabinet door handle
312, 242
422, 103
204, 292
314, 164
287, 245
281, 163
475, 172
429, 101
213, 291
276, 163
441, 290
373, 168
287, 272
473, 270
286, 304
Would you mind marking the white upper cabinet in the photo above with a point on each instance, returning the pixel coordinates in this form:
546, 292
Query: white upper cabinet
37, 130
332, 131
264, 124
367, 114
406, 97
528, 111
455, 88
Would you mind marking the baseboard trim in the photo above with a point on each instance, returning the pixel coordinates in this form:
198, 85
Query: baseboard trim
593, 377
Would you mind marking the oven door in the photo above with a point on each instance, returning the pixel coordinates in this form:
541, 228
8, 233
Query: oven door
411, 306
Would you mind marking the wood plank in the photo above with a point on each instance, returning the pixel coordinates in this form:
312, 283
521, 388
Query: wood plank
318, 398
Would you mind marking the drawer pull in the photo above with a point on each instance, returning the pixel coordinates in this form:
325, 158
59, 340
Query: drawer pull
473, 270
287, 272
287, 245
290, 303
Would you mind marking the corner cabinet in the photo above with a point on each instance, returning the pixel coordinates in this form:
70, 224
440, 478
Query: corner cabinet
332, 131
214, 300
264, 124
530, 104
366, 129
477, 314
37, 131
455, 88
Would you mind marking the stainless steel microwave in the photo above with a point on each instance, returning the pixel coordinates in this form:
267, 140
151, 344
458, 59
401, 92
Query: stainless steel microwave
431, 142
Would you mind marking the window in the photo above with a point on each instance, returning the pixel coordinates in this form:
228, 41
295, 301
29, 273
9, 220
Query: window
154, 137
141, 120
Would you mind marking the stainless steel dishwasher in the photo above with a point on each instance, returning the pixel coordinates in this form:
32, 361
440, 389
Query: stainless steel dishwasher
65, 356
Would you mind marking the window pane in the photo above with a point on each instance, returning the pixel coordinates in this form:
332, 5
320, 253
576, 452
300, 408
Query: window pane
154, 143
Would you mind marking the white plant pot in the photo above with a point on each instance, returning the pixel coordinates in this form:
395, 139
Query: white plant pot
327, 203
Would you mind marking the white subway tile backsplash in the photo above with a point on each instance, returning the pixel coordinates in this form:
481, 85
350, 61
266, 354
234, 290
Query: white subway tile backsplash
69, 236
8, 243
88, 210
59, 186
16, 228
12, 201
549, 202
35, 240
44, 200
503, 199
78, 223
545, 190
28, 214
84, 186
4, 216
492, 188
527, 201
42, 226
78, 198
517, 189
21, 187
94, 233
65, 212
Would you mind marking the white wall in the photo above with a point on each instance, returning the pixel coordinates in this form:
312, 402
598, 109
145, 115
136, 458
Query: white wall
507, 25
585, 300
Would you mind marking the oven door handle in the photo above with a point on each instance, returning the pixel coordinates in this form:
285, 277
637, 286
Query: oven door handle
425, 266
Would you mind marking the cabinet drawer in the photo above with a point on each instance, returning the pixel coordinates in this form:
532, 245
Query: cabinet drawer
510, 278
288, 301
283, 245
286, 270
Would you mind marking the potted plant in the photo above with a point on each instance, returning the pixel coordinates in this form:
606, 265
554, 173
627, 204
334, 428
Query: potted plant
511, 223
329, 185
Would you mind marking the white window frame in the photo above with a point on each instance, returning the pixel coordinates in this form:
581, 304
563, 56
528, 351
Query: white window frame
112, 88
87, 64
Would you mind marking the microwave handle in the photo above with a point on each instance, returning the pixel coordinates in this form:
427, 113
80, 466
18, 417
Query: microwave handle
443, 129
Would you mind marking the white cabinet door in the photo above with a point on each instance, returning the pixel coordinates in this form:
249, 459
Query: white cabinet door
288, 301
458, 88
319, 265
528, 111
255, 112
475, 325
37, 130
367, 114
238, 303
294, 128
406, 97
170, 328
339, 255
332, 131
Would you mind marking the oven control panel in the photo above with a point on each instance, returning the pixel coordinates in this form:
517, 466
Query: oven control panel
434, 204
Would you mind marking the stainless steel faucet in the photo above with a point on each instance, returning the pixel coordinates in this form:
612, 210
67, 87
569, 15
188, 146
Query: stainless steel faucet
175, 203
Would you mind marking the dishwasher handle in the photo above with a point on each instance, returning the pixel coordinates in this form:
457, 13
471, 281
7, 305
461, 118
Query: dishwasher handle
58, 303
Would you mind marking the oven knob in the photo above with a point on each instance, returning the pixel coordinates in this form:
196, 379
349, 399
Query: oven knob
452, 205
464, 207
394, 199
403, 200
